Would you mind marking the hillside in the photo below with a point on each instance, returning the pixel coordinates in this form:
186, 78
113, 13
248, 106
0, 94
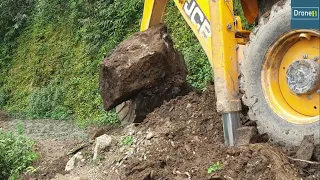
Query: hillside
50, 52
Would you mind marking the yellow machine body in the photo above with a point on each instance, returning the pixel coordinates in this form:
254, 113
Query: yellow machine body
221, 35
213, 23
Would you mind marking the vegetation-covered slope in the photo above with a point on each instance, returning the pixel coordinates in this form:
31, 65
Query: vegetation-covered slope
50, 52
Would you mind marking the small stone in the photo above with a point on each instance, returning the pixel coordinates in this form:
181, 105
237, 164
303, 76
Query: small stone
188, 105
122, 149
170, 136
305, 150
149, 136
210, 127
102, 142
187, 147
73, 161
171, 109
167, 119
246, 135
130, 130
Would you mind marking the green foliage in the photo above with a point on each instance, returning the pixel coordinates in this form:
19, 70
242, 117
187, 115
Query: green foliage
108, 24
48, 102
4, 96
214, 167
16, 154
128, 140
239, 12
14, 14
31, 170
54, 71
200, 71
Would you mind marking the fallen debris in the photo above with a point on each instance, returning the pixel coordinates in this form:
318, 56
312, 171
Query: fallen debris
149, 136
72, 163
305, 150
186, 142
246, 135
78, 148
316, 153
102, 142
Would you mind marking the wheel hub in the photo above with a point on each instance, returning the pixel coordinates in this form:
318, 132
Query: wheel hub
291, 76
303, 76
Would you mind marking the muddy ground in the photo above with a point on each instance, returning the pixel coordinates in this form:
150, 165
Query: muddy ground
178, 141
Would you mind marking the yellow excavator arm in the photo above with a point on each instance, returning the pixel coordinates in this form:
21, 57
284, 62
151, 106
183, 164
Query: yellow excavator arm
215, 26
279, 71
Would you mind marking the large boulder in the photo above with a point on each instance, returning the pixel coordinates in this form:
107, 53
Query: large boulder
145, 61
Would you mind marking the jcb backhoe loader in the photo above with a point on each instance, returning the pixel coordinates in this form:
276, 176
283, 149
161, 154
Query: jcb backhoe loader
274, 70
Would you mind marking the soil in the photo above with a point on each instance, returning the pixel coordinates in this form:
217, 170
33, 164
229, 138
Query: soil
189, 139
178, 141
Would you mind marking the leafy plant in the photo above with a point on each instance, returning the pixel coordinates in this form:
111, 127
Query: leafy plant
214, 167
48, 102
20, 128
128, 141
4, 96
16, 154
14, 15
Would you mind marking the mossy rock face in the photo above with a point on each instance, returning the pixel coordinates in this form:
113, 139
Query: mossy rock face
4, 116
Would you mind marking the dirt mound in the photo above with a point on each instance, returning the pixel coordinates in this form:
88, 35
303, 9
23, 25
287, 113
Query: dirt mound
188, 139
182, 139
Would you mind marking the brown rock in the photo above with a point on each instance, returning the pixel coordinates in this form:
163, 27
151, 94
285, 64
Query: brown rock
246, 135
144, 61
305, 150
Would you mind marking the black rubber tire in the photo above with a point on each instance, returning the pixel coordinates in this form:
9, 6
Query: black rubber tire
136, 110
270, 27
265, 6
125, 112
